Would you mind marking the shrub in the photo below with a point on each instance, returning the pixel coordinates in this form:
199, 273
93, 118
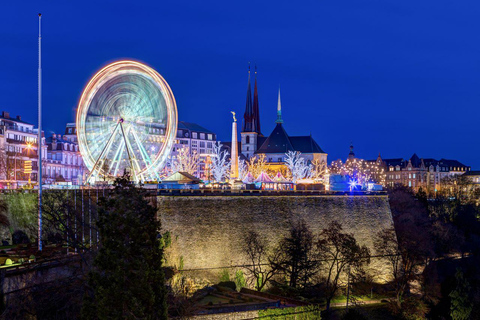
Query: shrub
240, 280
8, 262
224, 276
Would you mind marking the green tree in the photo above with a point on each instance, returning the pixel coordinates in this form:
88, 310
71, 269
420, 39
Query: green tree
127, 281
461, 303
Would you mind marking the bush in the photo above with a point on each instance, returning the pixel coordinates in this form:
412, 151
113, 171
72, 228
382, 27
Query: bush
240, 280
224, 276
8, 262
20, 237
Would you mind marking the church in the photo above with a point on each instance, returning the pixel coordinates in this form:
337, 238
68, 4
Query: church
278, 143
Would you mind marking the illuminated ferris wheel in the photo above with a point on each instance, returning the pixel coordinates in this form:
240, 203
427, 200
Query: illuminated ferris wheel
126, 121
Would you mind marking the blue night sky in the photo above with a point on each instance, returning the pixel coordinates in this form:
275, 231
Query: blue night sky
395, 77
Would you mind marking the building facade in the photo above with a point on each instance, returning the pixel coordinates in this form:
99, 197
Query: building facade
64, 163
198, 140
416, 173
18, 152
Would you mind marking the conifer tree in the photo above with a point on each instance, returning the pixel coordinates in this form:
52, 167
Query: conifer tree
127, 281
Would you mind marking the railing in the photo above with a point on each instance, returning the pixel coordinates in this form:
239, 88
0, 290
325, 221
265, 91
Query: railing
17, 128
256, 192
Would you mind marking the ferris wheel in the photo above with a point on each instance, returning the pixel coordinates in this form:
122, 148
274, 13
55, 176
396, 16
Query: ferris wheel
126, 122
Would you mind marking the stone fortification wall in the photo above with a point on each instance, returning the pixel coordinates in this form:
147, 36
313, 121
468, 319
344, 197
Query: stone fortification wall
207, 232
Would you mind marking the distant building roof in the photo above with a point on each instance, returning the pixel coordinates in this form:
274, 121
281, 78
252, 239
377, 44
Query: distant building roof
192, 127
277, 142
472, 173
394, 162
305, 144
6, 116
182, 178
415, 160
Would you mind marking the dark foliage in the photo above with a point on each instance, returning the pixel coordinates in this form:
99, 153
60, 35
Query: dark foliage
20, 237
127, 281
296, 256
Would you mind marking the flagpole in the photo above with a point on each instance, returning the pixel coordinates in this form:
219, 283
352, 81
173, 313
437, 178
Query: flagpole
39, 139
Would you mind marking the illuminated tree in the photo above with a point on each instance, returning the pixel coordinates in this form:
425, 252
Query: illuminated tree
318, 170
220, 166
360, 171
297, 165
185, 161
242, 169
257, 164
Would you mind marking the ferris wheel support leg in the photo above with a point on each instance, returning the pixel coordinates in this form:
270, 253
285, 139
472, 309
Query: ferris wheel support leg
143, 152
107, 146
118, 162
134, 158
128, 152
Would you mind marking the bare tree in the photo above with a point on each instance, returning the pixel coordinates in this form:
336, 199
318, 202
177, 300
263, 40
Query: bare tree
186, 161
318, 170
386, 245
339, 250
263, 266
257, 165
297, 165
220, 164
297, 256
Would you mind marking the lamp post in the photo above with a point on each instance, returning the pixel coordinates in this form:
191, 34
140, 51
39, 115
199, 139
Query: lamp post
39, 139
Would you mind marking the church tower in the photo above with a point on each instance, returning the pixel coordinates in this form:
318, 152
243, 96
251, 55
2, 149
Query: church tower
251, 120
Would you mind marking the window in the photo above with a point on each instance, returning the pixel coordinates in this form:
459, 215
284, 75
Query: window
279, 159
202, 144
247, 148
202, 136
414, 176
409, 183
210, 137
194, 144
209, 145
247, 139
194, 135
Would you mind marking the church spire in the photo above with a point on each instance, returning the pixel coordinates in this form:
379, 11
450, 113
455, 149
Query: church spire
248, 115
256, 109
279, 109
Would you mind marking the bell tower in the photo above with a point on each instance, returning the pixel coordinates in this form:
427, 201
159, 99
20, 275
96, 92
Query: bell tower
251, 120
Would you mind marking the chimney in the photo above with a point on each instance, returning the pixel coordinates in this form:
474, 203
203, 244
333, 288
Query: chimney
19, 118
5, 115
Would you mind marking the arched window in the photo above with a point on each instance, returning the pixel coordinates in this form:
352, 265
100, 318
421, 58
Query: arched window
247, 140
